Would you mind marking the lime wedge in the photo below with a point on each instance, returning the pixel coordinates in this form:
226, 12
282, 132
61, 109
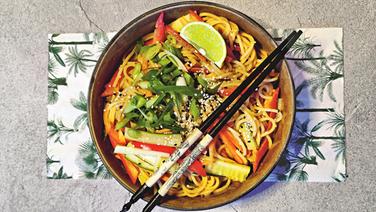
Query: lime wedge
206, 40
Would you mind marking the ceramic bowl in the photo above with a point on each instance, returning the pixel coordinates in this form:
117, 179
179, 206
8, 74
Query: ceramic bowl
121, 44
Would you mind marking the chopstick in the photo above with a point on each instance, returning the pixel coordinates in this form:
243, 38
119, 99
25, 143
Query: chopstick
201, 146
198, 132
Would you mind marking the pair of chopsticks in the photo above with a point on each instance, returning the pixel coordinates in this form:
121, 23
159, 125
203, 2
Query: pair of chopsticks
250, 84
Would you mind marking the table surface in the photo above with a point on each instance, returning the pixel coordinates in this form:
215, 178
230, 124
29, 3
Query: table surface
23, 87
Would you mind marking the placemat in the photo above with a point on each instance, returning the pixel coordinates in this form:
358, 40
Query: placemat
316, 151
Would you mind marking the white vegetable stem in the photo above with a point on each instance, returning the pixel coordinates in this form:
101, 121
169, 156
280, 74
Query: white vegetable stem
130, 150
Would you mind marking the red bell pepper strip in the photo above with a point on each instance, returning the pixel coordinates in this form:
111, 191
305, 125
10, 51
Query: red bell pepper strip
260, 154
196, 166
196, 69
130, 168
153, 147
194, 15
226, 91
109, 88
236, 48
230, 54
228, 59
273, 104
149, 42
159, 32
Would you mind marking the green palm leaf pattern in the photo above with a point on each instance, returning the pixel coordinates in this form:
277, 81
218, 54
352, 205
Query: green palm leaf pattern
336, 58
51, 67
89, 162
60, 175
298, 90
53, 85
50, 161
303, 47
55, 50
339, 146
323, 77
78, 60
298, 175
57, 129
101, 39
299, 162
341, 177
80, 104
336, 121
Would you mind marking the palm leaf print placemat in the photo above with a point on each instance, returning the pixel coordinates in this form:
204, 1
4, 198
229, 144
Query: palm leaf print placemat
317, 145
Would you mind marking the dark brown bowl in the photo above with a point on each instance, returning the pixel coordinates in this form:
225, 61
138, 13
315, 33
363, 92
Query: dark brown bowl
110, 60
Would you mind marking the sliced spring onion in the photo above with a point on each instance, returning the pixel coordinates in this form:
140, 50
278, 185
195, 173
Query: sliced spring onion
194, 109
176, 61
179, 89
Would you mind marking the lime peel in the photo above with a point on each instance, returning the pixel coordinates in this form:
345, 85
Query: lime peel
207, 40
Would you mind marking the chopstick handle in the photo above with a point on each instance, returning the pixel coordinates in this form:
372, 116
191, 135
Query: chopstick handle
183, 166
192, 138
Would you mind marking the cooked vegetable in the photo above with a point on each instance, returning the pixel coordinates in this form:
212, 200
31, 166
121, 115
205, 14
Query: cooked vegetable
131, 169
196, 166
138, 161
149, 52
228, 140
178, 89
233, 171
110, 87
159, 32
165, 87
194, 109
131, 150
260, 155
176, 61
153, 147
152, 138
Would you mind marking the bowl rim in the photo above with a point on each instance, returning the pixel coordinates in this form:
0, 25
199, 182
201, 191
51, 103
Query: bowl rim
129, 24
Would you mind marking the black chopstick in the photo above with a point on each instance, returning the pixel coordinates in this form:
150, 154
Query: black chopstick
214, 115
214, 131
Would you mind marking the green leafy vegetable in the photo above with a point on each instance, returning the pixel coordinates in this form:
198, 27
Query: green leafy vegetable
208, 89
137, 74
152, 74
173, 50
178, 89
149, 52
194, 109
164, 61
188, 79
128, 117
